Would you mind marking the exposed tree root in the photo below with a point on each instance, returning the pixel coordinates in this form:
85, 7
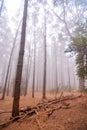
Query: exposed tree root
37, 120
10, 121
47, 107
1, 112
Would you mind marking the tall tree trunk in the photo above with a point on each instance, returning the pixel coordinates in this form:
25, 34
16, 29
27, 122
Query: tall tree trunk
37, 85
81, 78
34, 64
9, 63
1, 6
74, 79
56, 69
3, 79
56, 78
81, 85
86, 61
68, 71
28, 73
8, 84
15, 109
45, 58
61, 70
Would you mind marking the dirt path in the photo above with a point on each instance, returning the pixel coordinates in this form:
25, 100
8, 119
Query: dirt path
74, 118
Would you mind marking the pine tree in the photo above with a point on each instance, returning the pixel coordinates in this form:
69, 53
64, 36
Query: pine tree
15, 110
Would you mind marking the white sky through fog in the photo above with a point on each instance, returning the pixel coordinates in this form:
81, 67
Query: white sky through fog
12, 7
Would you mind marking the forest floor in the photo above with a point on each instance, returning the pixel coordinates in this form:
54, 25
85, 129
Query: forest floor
73, 118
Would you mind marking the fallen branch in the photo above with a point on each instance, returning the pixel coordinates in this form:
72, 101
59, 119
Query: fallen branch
10, 121
27, 114
5, 112
30, 111
49, 112
37, 120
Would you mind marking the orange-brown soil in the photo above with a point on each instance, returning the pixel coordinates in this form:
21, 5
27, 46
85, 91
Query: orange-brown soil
73, 118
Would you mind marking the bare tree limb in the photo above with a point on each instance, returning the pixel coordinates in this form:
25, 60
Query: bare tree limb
1, 7
62, 20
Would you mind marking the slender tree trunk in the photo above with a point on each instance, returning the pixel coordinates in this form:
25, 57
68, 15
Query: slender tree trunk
57, 87
81, 85
56, 68
69, 85
4, 89
15, 109
56, 78
8, 85
28, 74
3, 79
74, 80
81, 79
45, 58
9, 63
34, 64
86, 61
37, 87
1, 6
61, 69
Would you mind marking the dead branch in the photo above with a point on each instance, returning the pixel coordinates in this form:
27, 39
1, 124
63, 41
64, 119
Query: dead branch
30, 111
10, 121
37, 120
49, 112
61, 95
27, 114
1, 112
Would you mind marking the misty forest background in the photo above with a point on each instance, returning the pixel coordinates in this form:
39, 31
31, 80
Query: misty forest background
55, 52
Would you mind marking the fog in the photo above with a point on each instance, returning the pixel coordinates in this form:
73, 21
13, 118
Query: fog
60, 67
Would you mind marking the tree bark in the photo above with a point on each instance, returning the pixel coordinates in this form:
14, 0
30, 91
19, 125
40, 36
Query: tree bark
15, 109
45, 58
68, 71
9, 63
28, 73
34, 64
86, 62
8, 84
81, 85
1, 7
